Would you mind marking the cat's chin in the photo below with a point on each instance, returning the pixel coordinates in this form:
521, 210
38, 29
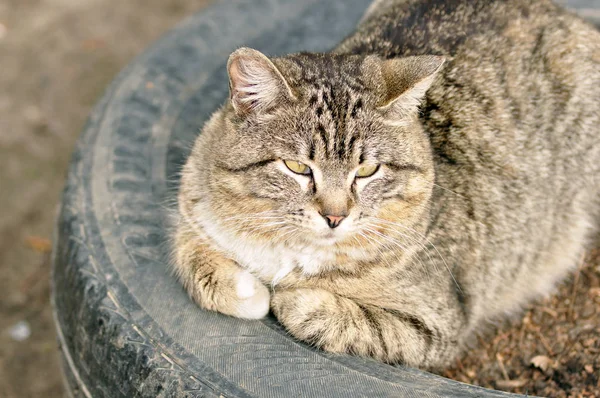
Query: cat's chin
329, 238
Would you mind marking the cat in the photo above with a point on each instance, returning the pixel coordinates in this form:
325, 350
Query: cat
436, 171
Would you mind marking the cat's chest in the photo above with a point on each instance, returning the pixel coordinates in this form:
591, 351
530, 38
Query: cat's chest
272, 263
269, 261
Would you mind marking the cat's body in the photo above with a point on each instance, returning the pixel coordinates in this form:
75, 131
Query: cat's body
481, 201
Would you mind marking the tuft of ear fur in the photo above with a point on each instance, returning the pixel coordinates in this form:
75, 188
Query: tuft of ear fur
406, 81
255, 83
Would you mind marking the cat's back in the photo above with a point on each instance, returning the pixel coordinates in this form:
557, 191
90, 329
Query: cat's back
393, 28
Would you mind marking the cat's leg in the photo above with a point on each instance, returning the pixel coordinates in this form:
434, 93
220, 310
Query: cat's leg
216, 282
342, 325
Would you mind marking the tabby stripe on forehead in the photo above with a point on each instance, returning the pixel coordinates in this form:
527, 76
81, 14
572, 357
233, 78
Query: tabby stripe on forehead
341, 146
311, 153
341, 127
351, 142
344, 150
249, 167
323, 135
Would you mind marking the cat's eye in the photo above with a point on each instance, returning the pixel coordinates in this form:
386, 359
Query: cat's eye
297, 167
367, 171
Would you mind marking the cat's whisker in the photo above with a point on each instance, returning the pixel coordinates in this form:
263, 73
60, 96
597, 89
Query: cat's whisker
241, 224
265, 214
291, 233
232, 221
417, 242
376, 246
242, 219
444, 188
429, 242
413, 239
254, 221
253, 224
259, 227
403, 247
449, 190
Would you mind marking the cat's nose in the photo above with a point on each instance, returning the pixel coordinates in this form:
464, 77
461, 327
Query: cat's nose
333, 221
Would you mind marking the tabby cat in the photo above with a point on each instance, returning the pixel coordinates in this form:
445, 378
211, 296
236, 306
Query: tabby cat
438, 169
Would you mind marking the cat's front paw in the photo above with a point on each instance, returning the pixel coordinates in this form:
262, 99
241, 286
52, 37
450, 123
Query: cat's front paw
252, 296
327, 321
231, 290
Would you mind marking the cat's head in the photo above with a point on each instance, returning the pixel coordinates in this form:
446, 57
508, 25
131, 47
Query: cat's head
318, 149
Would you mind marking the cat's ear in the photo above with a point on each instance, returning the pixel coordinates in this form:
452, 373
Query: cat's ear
406, 81
255, 83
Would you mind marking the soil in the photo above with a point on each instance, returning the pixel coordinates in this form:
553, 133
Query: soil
57, 58
553, 351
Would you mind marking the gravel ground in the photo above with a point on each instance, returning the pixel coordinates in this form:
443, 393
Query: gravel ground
56, 58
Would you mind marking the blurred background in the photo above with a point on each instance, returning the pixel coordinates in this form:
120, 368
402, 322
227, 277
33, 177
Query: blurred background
56, 58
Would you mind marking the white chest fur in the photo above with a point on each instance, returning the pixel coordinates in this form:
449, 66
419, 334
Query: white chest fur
266, 260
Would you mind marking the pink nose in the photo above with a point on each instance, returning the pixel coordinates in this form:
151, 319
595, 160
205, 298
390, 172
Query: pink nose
333, 221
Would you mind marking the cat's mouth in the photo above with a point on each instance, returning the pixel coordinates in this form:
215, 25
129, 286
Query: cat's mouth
331, 237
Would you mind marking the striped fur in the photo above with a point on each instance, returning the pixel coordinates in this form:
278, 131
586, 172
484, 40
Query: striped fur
483, 116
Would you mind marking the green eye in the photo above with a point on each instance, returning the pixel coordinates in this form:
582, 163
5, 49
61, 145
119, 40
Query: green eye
297, 167
367, 171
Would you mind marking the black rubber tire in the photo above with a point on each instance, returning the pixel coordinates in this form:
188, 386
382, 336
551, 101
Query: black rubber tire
125, 326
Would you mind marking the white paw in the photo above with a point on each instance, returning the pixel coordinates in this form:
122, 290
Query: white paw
246, 285
253, 295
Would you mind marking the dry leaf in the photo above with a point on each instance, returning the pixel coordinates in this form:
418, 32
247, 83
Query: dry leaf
93, 44
541, 362
39, 244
